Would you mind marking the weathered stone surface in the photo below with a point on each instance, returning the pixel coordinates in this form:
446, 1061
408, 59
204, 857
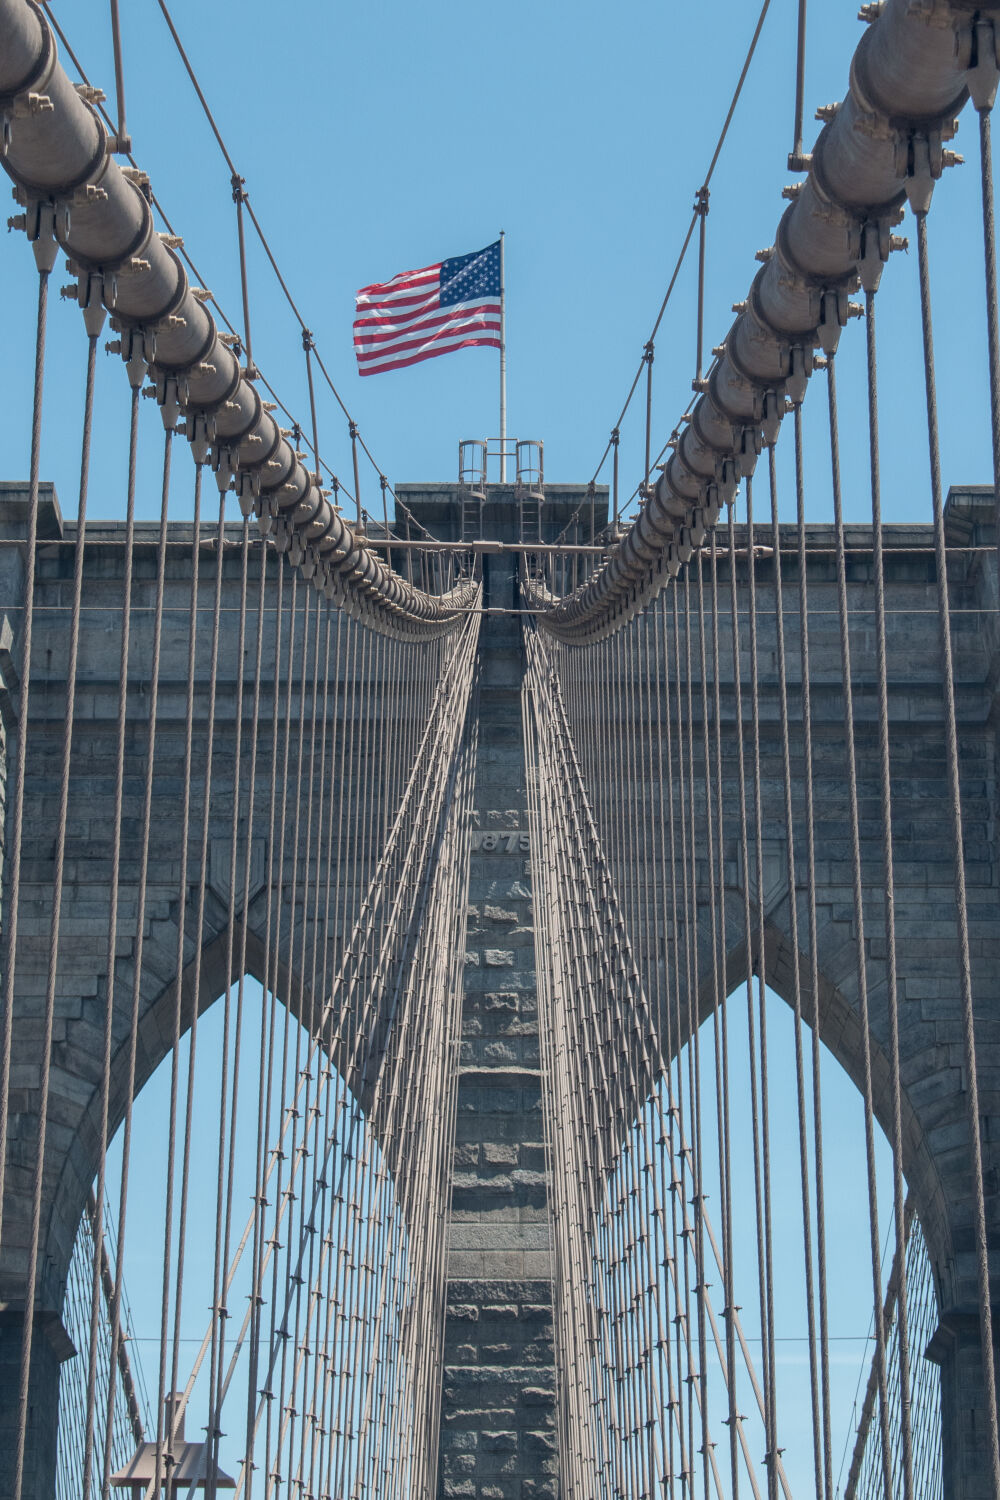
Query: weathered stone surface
499, 1233
502, 1001
495, 1154
536, 1395
498, 914
498, 1442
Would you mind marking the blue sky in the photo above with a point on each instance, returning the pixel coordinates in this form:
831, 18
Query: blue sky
384, 136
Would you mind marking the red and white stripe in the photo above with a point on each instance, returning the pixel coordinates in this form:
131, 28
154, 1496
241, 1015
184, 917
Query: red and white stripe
401, 322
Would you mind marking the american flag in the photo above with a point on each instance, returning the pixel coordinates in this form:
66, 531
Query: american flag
419, 314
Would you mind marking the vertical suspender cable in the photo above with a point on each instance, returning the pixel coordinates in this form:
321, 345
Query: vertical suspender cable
198, 935
793, 933
111, 949
701, 209
722, 1036
123, 144
352, 428
684, 1028
982, 78
33, 1253
164, 1439
286, 851
767, 1331
744, 848
60, 850
331, 719
120, 766
13, 853
318, 990
695, 1042
262, 553
795, 160
239, 198
34, 1243
266, 1029
223, 1202
888, 861
859, 930
649, 414
807, 750
307, 344
137, 957
294, 1001
958, 844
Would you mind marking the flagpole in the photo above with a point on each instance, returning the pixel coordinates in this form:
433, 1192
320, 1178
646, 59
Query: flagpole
503, 371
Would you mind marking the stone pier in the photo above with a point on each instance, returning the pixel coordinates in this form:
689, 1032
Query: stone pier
498, 1440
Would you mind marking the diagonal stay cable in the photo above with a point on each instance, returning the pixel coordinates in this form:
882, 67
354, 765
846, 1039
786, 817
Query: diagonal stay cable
402, 822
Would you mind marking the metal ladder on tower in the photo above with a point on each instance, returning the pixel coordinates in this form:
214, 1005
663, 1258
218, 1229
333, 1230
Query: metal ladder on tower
530, 517
529, 490
472, 516
471, 487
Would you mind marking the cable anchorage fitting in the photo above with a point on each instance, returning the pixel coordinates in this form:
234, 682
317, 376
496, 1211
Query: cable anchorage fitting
977, 48
921, 158
136, 347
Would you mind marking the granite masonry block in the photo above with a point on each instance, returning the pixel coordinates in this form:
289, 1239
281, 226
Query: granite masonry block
459, 1440
458, 1463
498, 1442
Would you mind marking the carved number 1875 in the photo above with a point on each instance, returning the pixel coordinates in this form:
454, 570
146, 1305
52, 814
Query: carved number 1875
509, 843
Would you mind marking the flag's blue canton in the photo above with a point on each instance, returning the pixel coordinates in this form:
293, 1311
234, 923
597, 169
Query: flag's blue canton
466, 278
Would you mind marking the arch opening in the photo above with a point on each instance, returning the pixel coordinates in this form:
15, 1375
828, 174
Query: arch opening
265, 1263
682, 1235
